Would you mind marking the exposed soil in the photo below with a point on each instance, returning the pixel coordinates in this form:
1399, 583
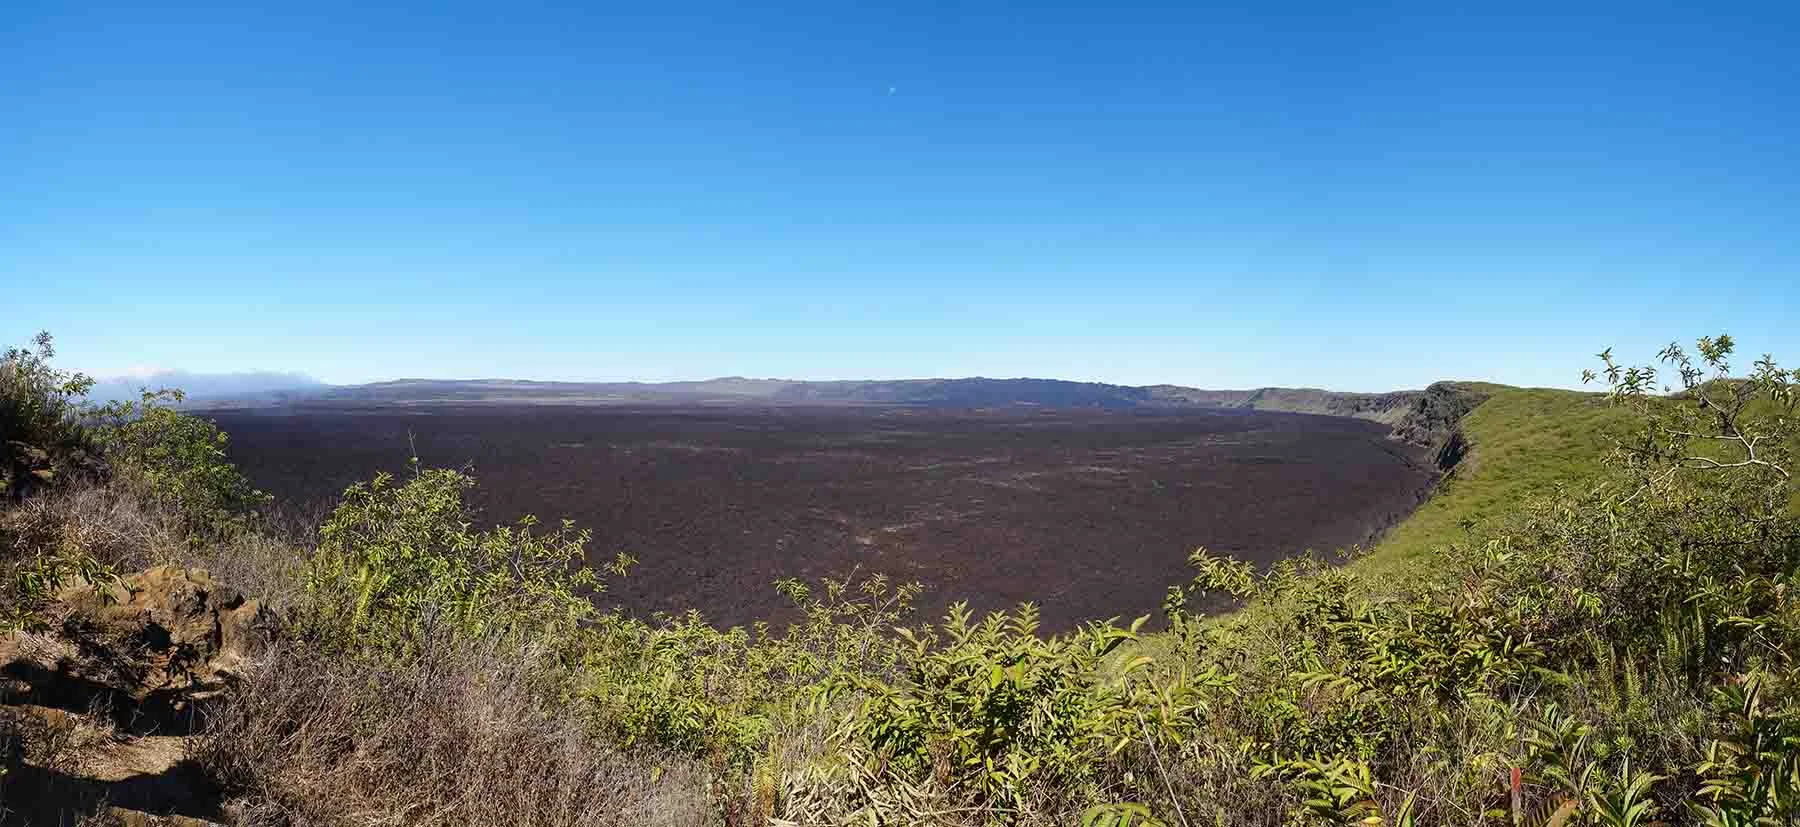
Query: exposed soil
1088, 513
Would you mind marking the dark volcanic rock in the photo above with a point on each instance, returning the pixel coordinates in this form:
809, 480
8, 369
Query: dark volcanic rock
1434, 422
1088, 512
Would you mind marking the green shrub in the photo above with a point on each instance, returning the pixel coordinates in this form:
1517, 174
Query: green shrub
179, 462
44, 444
26, 585
398, 564
50, 434
748, 701
1578, 643
990, 712
42, 437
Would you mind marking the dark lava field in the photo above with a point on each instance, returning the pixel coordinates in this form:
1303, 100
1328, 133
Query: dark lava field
1089, 514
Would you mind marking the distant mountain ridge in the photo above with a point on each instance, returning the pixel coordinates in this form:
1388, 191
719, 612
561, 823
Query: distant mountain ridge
975, 392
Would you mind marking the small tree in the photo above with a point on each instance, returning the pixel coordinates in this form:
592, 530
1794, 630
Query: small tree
41, 434
1717, 423
179, 461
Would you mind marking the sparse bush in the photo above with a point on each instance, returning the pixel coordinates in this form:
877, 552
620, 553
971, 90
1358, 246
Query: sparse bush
746, 701
682, 683
76, 473
1580, 643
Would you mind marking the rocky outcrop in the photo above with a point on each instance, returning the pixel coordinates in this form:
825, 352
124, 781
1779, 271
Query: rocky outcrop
26, 469
153, 647
97, 711
1451, 453
1434, 421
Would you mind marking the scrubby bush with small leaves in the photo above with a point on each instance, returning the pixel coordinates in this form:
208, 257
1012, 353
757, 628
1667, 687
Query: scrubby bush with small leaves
680, 682
993, 717
53, 441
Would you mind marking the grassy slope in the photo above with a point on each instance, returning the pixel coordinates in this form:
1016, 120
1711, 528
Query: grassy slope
1525, 441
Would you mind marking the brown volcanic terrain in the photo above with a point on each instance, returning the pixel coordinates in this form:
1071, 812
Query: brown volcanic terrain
1089, 513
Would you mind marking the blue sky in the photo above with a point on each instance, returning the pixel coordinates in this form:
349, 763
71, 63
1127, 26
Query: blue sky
1313, 194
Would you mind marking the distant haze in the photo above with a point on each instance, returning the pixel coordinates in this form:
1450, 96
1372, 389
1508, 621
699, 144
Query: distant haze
202, 385
974, 392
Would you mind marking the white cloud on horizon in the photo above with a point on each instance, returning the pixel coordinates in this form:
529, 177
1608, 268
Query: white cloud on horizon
129, 383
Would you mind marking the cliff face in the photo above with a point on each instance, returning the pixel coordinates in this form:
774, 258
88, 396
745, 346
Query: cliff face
1433, 421
1430, 418
1386, 408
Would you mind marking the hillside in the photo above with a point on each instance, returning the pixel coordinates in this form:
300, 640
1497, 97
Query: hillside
1521, 442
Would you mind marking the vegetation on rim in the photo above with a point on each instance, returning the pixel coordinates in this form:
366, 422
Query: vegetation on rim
1526, 443
1615, 650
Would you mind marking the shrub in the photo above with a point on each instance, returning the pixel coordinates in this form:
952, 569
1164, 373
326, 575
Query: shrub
1565, 662
179, 462
43, 445
993, 716
682, 683
744, 700
398, 564
42, 438
51, 447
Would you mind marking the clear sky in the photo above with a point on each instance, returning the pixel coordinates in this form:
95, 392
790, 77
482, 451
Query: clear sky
1346, 195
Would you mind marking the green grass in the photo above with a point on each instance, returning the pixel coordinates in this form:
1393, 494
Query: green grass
1524, 442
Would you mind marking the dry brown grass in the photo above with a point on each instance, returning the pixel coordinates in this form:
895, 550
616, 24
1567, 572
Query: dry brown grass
112, 526
460, 738
124, 530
